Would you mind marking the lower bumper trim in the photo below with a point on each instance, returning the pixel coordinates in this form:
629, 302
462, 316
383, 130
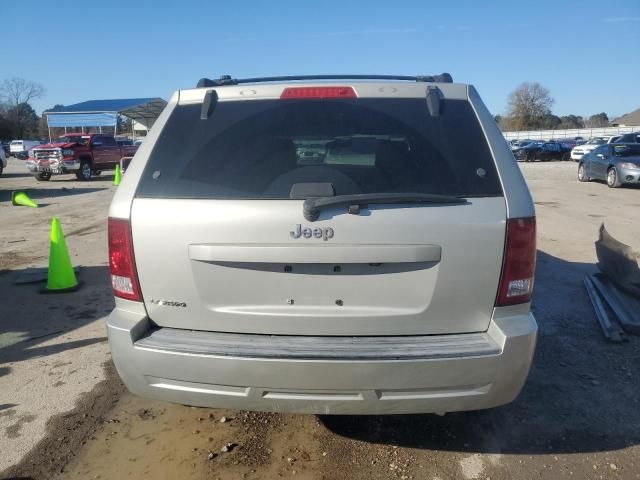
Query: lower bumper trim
193, 387
315, 395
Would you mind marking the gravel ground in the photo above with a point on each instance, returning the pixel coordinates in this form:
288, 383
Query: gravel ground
577, 417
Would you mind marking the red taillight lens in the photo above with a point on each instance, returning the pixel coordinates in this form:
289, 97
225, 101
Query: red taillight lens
318, 92
124, 277
516, 283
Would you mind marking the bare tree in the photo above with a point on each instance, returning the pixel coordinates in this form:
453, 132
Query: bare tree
17, 90
15, 95
528, 106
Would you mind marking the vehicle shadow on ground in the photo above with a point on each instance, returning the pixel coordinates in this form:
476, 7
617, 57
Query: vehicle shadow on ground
624, 186
581, 395
33, 322
15, 175
39, 193
100, 179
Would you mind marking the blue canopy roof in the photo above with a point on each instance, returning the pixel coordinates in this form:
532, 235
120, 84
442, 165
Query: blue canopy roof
117, 105
82, 119
94, 113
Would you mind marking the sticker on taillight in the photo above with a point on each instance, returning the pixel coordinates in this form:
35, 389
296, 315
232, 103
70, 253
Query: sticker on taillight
517, 288
122, 284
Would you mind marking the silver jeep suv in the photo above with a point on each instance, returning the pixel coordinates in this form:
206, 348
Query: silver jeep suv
335, 245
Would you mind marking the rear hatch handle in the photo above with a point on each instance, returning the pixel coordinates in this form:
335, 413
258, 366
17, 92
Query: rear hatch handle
322, 253
313, 206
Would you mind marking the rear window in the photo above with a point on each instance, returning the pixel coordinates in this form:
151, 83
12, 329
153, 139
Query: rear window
260, 149
82, 140
626, 150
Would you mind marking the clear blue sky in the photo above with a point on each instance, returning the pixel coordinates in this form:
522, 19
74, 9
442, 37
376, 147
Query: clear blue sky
585, 52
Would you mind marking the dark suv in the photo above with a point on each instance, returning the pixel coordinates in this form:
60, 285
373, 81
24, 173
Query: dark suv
629, 138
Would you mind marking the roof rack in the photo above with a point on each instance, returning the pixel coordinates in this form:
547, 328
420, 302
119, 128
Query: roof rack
227, 80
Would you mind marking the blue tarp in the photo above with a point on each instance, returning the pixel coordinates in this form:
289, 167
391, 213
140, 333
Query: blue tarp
82, 119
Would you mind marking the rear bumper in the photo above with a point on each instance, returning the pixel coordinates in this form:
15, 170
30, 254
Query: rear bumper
453, 379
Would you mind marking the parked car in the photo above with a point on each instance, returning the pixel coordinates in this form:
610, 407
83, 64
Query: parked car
392, 275
3, 160
82, 154
516, 146
616, 163
124, 141
6, 148
20, 148
629, 138
543, 151
579, 150
567, 144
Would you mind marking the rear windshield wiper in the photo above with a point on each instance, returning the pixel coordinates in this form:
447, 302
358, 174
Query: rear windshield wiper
313, 206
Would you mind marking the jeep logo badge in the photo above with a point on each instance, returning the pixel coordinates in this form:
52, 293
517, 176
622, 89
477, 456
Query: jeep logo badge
308, 232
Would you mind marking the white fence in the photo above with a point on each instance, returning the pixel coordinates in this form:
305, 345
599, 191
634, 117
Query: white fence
574, 132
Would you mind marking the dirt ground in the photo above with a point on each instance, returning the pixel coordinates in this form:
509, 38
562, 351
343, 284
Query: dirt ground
577, 417
52, 347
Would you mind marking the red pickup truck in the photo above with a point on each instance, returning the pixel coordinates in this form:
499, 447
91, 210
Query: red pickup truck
84, 154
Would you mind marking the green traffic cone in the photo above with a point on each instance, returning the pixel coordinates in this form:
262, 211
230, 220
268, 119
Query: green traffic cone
21, 198
61, 275
118, 177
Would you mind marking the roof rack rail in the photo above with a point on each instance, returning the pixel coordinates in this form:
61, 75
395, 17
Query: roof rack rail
227, 80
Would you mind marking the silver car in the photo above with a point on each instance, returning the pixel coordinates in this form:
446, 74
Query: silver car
329, 245
582, 149
616, 163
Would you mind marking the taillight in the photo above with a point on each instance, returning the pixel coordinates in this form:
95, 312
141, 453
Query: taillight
124, 278
518, 269
318, 92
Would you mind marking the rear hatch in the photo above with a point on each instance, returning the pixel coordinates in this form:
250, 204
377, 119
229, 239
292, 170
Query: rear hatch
222, 243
